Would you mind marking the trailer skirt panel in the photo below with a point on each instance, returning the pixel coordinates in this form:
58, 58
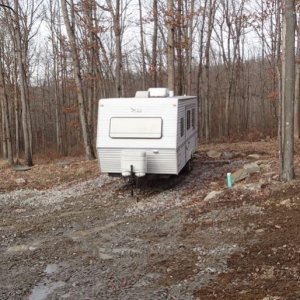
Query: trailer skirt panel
159, 161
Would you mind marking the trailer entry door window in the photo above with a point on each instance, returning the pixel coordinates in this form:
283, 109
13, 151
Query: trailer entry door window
135, 128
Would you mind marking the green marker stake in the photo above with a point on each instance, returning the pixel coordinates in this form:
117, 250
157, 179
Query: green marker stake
229, 180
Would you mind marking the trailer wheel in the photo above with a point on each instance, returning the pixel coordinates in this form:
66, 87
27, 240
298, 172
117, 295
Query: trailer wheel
137, 182
188, 167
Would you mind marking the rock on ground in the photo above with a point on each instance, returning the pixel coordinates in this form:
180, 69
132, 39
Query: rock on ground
212, 195
239, 175
252, 168
214, 154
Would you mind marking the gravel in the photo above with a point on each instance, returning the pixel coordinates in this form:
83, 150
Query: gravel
28, 197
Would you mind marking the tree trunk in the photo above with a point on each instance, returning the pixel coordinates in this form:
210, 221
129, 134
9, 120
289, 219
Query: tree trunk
180, 71
55, 78
142, 47
92, 57
289, 91
89, 151
297, 87
190, 48
208, 100
154, 44
26, 120
5, 116
3, 139
115, 13
200, 74
262, 71
16, 101
170, 46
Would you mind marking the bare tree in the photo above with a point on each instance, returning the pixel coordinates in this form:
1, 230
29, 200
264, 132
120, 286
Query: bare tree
170, 45
154, 43
142, 46
179, 23
92, 53
5, 115
54, 19
200, 69
70, 27
190, 47
287, 160
21, 52
116, 17
207, 109
297, 86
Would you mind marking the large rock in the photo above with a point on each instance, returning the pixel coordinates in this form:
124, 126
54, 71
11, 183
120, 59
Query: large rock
252, 168
20, 168
214, 154
228, 155
212, 195
239, 175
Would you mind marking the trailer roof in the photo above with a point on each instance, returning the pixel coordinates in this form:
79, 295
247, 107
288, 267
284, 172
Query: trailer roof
179, 98
184, 97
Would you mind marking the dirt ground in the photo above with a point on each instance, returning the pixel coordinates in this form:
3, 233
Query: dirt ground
69, 232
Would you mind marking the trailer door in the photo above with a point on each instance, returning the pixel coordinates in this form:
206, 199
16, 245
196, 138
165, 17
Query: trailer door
181, 156
189, 130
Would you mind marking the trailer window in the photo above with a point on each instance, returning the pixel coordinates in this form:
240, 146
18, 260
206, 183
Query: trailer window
181, 127
188, 120
135, 128
193, 118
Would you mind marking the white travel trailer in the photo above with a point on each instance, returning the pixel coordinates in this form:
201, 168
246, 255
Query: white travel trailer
153, 133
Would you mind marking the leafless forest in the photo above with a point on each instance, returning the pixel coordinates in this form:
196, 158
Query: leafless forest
68, 231
57, 58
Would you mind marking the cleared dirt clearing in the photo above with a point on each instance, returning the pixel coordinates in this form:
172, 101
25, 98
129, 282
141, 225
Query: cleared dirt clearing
91, 240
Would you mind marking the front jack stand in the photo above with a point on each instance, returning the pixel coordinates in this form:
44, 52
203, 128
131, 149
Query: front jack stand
132, 178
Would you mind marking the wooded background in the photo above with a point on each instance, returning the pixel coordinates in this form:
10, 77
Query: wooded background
58, 58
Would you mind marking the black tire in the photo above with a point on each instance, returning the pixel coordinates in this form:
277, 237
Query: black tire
188, 167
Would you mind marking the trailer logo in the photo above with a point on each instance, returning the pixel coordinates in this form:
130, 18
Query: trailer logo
137, 110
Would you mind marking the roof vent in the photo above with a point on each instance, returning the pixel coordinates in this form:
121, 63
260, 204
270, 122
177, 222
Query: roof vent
158, 92
142, 94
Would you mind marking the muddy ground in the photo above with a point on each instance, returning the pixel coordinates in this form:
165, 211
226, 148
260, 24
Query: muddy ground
80, 235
